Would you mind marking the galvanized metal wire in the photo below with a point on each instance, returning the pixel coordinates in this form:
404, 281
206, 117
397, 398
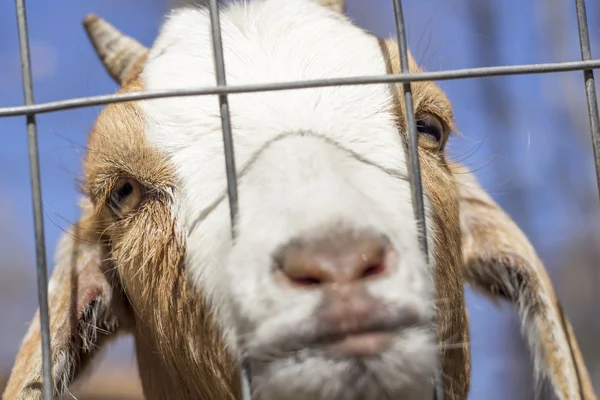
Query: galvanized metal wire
215, 23
592, 102
36, 190
232, 188
483, 72
414, 169
30, 110
413, 166
590, 86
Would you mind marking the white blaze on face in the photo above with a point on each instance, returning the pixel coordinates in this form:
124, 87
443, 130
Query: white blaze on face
306, 158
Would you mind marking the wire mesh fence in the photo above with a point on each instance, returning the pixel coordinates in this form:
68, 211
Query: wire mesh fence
30, 109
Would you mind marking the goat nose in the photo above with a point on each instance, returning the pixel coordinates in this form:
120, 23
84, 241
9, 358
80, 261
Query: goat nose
335, 259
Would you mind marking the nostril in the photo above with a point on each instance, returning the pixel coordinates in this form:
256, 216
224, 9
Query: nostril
373, 270
306, 281
299, 270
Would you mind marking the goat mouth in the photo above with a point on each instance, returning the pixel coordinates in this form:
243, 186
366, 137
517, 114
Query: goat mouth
339, 339
361, 335
355, 341
365, 344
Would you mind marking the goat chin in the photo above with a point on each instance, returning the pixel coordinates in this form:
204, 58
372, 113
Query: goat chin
402, 371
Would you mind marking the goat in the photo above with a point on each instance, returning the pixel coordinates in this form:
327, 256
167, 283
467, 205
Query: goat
324, 292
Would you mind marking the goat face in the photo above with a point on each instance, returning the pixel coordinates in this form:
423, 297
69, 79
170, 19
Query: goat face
324, 290
324, 287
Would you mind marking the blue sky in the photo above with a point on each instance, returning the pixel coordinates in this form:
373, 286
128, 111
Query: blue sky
65, 66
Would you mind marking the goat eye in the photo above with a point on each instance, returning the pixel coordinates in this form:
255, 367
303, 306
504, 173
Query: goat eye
431, 127
125, 196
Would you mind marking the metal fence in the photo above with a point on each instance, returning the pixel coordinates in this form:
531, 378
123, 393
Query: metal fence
31, 109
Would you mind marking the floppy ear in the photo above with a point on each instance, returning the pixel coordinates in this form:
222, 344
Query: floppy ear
500, 261
85, 312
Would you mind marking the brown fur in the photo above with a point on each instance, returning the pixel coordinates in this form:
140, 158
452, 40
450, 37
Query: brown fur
133, 268
144, 256
453, 326
80, 278
149, 259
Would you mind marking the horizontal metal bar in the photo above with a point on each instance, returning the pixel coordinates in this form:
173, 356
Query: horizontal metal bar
268, 87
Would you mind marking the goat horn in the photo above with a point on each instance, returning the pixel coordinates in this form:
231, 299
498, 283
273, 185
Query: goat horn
117, 51
337, 5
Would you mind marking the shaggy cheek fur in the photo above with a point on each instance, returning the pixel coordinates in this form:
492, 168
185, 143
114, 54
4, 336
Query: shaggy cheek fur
146, 251
179, 350
453, 327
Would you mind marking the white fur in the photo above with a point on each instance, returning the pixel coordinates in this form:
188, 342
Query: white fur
305, 159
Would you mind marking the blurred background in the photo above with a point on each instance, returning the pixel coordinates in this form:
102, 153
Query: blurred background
527, 137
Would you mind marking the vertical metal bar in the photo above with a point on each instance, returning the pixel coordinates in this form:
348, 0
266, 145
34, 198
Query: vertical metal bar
224, 109
34, 167
229, 152
590, 88
413, 153
246, 394
414, 168
592, 102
